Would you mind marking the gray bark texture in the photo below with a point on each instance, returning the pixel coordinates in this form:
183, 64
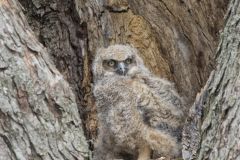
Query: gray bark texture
213, 128
39, 117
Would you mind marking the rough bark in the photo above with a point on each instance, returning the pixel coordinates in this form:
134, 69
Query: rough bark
58, 26
39, 117
213, 131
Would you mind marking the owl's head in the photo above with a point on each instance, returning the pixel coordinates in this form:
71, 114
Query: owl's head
117, 60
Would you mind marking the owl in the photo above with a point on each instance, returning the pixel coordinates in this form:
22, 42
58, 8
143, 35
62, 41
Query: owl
140, 115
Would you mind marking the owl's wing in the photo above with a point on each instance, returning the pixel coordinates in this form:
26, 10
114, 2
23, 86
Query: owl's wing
166, 122
166, 90
161, 107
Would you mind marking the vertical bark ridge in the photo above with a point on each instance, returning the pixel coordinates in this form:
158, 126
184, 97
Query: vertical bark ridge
218, 123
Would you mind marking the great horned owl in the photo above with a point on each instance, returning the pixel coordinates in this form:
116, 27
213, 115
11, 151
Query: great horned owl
138, 112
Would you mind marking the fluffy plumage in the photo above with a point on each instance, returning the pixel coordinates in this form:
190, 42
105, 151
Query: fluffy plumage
138, 112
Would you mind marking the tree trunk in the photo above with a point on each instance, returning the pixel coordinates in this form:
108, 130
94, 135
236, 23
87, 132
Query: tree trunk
38, 112
212, 130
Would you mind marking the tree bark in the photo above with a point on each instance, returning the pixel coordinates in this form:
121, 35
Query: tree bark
212, 131
59, 27
38, 112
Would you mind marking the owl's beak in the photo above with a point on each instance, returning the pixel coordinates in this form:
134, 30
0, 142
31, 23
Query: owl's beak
121, 69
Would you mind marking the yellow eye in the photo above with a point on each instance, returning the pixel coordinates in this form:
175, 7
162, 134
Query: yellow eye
128, 61
111, 63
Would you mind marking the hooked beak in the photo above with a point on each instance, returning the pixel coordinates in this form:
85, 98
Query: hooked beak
121, 69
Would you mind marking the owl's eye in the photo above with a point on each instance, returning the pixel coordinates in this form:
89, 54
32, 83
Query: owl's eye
111, 63
128, 61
